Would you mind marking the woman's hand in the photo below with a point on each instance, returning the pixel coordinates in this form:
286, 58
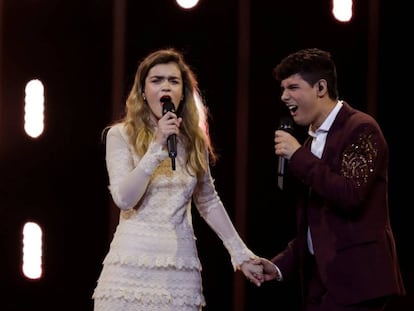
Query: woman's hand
253, 271
169, 124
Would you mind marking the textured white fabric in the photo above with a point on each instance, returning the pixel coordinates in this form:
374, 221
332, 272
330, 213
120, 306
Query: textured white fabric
152, 263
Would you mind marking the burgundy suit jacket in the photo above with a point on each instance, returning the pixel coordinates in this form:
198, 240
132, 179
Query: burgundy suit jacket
345, 203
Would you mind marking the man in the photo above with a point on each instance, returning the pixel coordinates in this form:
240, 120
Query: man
344, 249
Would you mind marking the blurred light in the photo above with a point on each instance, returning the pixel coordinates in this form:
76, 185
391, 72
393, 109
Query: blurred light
32, 250
34, 108
187, 4
342, 10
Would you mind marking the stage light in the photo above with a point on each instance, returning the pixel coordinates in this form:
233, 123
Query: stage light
342, 10
34, 108
187, 4
32, 250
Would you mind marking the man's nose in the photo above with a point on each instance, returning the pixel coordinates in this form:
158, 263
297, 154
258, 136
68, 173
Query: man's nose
285, 95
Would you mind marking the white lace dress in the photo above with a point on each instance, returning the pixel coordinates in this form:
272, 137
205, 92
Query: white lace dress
152, 263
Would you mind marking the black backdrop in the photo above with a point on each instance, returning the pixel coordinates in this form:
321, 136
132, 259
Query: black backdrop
60, 179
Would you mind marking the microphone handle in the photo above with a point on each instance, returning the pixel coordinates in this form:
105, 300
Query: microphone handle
172, 145
172, 139
281, 172
172, 149
285, 125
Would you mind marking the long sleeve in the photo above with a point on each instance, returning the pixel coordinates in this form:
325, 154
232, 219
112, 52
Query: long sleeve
127, 181
213, 212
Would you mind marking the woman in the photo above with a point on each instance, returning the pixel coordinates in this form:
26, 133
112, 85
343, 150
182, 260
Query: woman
153, 263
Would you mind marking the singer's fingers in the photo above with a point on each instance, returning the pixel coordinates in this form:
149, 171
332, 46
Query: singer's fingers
278, 151
167, 127
169, 116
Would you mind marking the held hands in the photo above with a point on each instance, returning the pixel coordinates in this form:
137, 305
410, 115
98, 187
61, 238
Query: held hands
270, 272
259, 270
253, 271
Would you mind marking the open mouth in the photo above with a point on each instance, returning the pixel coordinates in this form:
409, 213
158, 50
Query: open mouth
293, 108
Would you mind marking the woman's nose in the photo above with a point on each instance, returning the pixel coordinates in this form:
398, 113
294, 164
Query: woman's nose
166, 84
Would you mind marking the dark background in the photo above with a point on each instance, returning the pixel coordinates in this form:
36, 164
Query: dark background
86, 53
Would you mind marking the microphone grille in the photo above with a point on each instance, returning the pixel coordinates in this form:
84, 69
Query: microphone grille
167, 104
286, 124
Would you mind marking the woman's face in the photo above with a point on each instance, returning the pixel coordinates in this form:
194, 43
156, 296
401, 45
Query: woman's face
163, 80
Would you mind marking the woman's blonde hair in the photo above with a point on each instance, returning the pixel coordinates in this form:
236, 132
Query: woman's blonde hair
194, 130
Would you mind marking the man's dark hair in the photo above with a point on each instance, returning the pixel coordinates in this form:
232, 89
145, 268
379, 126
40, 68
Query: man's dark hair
312, 65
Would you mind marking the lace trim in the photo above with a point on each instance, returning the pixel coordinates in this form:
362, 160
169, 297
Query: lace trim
238, 251
158, 297
154, 261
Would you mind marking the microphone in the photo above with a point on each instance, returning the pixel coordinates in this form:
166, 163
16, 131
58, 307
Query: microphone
172, 139
286, 125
